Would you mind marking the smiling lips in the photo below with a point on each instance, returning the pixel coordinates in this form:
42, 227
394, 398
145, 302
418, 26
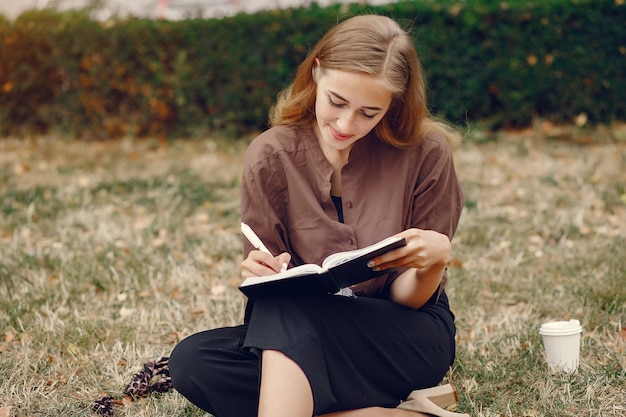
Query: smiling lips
339, 136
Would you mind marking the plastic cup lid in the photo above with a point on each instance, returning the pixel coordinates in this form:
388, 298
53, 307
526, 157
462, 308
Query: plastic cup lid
561, 328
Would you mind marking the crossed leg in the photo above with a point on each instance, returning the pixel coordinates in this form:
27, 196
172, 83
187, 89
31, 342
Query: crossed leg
285, 392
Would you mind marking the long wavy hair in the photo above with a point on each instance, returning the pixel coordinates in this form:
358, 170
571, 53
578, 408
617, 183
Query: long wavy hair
374, 45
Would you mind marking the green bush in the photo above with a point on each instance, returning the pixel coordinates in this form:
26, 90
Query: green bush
502, 63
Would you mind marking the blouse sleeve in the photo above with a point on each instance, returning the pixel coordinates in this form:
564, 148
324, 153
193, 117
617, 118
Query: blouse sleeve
437, 199
263, 203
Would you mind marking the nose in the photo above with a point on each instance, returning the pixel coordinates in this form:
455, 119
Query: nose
345, 122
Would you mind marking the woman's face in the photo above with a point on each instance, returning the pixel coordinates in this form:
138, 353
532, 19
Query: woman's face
347, 107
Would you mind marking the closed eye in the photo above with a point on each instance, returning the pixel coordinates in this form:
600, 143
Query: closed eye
341, 105
369, 116
334, 104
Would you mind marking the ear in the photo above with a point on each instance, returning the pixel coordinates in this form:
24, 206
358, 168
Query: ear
314, 70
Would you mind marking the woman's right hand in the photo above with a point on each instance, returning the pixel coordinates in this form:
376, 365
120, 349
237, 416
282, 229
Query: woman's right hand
259, 264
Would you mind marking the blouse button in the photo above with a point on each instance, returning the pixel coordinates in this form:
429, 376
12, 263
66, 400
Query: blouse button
350, 242
349, 204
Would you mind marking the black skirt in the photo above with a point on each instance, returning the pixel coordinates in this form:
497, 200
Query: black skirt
355, 352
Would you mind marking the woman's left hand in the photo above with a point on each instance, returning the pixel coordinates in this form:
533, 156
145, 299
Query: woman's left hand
424, 249
426, 255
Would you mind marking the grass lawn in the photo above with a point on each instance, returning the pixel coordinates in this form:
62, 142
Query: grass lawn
112, 252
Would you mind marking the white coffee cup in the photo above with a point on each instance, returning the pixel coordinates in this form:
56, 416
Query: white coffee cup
561, 340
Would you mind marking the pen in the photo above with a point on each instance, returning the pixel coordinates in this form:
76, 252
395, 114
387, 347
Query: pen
256, 242
253, 238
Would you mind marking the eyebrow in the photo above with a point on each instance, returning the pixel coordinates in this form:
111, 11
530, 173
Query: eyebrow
343, 99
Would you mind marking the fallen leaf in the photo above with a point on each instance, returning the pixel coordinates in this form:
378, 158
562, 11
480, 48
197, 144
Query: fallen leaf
9, 336
26, 339
73, 349
504, 244
175, 293
218, 289
126, 312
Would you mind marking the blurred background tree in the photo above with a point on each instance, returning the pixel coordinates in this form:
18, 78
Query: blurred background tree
498, 64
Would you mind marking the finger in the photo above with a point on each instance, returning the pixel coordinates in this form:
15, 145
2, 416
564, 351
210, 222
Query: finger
253, 269
410, 260
284, 259
259, 263
392, 256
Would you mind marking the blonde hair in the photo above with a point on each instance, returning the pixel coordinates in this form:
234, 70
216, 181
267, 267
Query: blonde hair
378, 46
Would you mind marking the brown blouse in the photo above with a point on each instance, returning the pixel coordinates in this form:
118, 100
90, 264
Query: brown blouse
286, 196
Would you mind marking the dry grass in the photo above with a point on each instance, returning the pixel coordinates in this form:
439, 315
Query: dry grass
112, 252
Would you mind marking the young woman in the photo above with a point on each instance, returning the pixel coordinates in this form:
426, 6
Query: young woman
352, 157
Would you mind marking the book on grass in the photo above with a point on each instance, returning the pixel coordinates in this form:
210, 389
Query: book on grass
339, 270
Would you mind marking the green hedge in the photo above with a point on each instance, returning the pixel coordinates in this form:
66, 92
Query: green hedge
501, 63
